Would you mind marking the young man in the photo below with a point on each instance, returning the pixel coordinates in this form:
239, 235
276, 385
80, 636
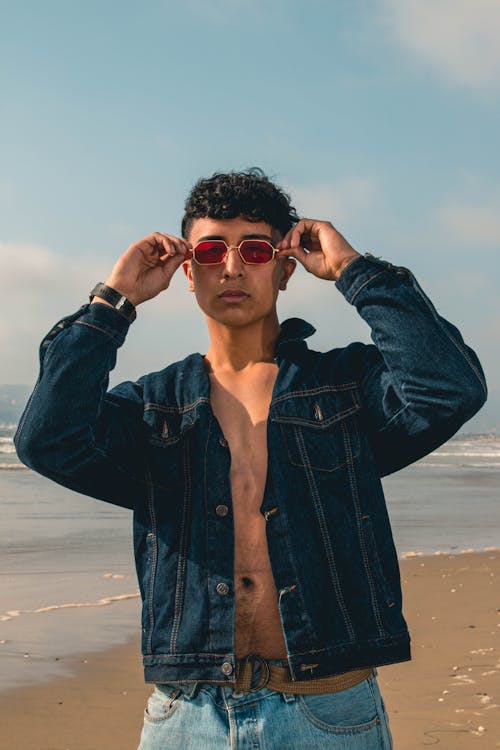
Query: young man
265, 558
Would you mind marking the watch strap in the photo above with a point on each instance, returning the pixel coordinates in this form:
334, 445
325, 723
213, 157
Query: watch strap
117, 300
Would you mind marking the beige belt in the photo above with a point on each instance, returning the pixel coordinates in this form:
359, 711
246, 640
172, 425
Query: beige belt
277, 678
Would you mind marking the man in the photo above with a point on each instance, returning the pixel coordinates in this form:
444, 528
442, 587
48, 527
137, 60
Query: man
268, 573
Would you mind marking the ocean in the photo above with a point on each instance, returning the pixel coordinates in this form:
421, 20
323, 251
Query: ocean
67, 578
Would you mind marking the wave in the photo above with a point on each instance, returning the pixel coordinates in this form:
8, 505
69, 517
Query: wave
426, 464
12, 466
474, 454
104, 602
469, 551
7, 445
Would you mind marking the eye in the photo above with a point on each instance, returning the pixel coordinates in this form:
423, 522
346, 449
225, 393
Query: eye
210, 251
256, 251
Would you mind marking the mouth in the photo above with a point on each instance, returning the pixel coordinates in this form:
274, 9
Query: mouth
233, 295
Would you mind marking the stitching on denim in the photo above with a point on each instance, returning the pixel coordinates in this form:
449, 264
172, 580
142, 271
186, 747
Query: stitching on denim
315, 391
355, 497
288, 542
21, 424
358, 729
437, 318
151, 405
313, 422
205, 497
182, 559
114, 338
298, 587
154, 558
372, 683
379, 273
353, 647
294, 461
395, 416
320, 517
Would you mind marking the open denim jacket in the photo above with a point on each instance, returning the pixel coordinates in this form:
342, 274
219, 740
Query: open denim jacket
338, 421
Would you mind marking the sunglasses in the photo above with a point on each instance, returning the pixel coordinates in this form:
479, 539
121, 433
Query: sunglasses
255, 252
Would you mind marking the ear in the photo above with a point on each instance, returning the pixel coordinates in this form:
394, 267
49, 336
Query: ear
287, 269
186, 267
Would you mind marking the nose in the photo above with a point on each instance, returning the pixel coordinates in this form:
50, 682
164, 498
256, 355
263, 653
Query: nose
233, 264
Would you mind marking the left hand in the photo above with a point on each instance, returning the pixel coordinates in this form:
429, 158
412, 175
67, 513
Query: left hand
322, 250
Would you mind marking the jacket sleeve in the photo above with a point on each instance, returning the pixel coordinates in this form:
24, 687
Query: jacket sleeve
419, 382
74, 432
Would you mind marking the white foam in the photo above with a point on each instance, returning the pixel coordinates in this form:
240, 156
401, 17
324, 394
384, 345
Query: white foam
105, 601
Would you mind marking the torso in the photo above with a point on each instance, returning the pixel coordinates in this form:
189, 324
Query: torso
241, 406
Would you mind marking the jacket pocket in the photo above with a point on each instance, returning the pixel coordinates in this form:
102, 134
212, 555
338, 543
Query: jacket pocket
375, 563
319, 427
164, 438
162, 704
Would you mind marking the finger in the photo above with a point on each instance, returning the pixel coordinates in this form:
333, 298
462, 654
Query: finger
176, 244
295, 251
294, 235
170, 264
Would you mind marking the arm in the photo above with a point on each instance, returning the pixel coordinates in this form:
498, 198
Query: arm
420, 382
74, 432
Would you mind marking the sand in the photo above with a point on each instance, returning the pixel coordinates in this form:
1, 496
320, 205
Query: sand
448, 696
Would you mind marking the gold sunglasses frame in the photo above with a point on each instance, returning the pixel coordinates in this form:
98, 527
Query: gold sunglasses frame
235, 247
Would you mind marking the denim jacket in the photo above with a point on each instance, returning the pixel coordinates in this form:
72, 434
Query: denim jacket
338, 421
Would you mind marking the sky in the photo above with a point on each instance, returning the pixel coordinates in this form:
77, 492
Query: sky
381, 117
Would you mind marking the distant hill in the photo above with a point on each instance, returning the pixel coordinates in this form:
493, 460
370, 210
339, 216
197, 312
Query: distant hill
13, 399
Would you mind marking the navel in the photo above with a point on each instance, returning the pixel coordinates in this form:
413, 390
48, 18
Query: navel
246, 581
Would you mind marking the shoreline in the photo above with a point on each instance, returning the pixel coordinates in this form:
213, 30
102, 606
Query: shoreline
447, 693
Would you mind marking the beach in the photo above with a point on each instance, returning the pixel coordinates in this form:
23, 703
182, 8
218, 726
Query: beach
447, 696
71, 676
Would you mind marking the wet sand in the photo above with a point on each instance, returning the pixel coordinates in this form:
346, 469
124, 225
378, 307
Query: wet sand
448, 696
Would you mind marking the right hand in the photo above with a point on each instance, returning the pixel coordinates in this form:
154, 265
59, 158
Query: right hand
147, 267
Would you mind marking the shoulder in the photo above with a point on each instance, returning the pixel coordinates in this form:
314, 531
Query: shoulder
344, 364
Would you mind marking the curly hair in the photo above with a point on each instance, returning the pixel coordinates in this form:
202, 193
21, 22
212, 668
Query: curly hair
249, 194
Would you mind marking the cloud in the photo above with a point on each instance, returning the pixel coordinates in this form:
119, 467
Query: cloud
471, 225
38, 287
459, 39
343, 200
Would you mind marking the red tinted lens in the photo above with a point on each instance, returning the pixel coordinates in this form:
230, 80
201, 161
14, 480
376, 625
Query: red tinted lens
210, 251
256, 251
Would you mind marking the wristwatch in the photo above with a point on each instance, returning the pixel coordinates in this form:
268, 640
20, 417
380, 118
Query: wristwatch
117, 300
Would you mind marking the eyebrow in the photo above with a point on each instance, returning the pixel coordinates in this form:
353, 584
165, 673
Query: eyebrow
243, 237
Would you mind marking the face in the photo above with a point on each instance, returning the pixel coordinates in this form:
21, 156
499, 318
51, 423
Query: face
233, 292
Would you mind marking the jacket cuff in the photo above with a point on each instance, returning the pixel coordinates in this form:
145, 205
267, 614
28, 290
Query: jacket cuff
362, 271
102, 318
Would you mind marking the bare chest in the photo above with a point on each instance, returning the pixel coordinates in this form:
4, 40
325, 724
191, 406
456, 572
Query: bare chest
242, 408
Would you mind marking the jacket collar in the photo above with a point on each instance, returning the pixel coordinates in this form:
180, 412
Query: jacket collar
292, 330
193, 382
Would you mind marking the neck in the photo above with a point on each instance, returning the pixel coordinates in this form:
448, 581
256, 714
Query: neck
237, 348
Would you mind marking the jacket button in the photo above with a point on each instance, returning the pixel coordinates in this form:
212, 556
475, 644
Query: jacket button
222, 589
222, 510
227, 667
223, 442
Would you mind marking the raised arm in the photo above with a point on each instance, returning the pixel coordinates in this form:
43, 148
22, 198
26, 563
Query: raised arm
74, 432
419, 382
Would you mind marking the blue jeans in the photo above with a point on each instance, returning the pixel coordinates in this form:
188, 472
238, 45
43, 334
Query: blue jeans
203, 716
